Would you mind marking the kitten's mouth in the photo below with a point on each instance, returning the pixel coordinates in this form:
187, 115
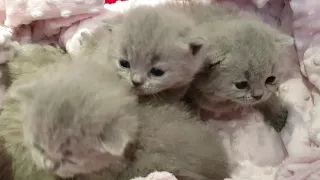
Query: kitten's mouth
66, 175
243, 101
140, 91
144, 91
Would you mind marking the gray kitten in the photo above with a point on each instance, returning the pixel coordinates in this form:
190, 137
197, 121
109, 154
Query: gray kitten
24, 67
67, 118
154, 52
85, 120
243, 67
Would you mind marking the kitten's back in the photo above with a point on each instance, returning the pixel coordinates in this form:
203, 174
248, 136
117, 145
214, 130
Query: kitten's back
202, 12
28, 58
70, 81
172, 140
81, 87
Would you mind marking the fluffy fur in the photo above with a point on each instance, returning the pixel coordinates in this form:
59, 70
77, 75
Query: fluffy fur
242, 66
74, 122
95, 45
27, 60
172, 140
201, 12
83, 120
153, 51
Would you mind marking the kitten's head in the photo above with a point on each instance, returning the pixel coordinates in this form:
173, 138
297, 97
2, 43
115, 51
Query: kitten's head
153, 51
243, 62
77, 122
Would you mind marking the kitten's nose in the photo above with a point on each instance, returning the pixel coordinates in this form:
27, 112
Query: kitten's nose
257, 97
136, 83
136, 79
50, 165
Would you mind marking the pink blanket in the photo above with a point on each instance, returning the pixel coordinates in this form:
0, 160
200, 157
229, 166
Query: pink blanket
60, 21
260, 152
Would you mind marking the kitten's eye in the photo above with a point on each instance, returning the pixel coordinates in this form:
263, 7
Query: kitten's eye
212, 65
242, 85
67, 153
124, 63
68, 161
156, 72
270, 80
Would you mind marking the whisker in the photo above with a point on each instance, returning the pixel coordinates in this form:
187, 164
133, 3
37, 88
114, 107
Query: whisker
157, 96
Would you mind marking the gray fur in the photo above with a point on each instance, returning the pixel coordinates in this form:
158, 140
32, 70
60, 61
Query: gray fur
172, 140
240, 50
28, 63
167, 128
201, 12
93, 115
157, 37
29, 58
74, 122
95, 45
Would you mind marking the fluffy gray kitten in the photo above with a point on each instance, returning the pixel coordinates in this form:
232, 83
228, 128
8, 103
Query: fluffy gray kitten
154, 52
201, 12
242, 67
87, 120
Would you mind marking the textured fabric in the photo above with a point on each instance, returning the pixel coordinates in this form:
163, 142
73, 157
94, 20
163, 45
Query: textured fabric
23, 12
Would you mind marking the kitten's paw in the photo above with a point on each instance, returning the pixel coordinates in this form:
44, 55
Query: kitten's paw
157, 176
78, 43
85, 36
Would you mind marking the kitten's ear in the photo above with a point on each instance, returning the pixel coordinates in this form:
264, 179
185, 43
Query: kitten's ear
85, 35
23, 91
193, 45
283, 40
91, 38
216, 56
115, 143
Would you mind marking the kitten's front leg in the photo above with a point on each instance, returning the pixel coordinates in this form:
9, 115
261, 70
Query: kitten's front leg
274, 112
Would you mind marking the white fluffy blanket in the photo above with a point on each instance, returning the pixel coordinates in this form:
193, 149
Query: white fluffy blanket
262, 154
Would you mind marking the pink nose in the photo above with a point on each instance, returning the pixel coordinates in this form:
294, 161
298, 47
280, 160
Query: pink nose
50, 165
